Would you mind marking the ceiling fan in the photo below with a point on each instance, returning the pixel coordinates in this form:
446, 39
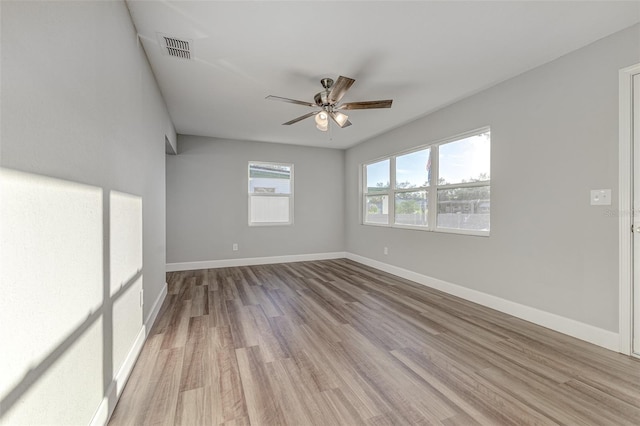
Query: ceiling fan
328, 102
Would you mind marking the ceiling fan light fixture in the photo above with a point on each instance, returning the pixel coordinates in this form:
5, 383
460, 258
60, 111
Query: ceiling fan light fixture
322, 121
340, 118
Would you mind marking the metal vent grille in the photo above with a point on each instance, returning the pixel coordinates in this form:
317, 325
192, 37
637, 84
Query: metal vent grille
172, 46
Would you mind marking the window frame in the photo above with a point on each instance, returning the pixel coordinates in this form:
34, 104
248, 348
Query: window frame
386, 192
290, 195
432, 188
428, 188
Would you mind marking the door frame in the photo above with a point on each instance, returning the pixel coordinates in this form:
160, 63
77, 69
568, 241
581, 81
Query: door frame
625, 207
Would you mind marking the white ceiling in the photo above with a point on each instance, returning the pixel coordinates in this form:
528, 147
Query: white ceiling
423, 55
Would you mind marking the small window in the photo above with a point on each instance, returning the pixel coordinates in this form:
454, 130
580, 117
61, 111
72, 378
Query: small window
376, 197
270, 194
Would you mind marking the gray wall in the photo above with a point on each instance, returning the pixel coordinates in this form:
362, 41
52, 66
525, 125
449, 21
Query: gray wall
207, 201
554, 133
81, 115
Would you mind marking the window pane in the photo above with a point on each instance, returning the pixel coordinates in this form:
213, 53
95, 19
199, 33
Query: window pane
413, 170
378, 176
269, 178
464, 208
268, 209
377, 209
465, 160
411, 208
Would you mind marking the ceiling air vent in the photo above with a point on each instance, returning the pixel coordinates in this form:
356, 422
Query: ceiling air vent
178, 47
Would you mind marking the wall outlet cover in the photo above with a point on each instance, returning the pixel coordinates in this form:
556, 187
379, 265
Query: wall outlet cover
600, 197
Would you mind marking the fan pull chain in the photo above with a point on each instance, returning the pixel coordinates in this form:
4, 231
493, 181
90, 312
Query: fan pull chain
330, 131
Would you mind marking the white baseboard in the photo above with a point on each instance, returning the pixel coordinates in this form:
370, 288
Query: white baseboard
226, 263
108, 404
598, 336
153, 313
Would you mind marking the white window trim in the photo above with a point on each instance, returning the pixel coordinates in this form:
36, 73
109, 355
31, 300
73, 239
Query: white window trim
365, 193
290, 195
432, 189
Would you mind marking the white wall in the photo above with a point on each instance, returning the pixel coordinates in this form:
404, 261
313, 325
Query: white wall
82, 211
207, 210
554, 133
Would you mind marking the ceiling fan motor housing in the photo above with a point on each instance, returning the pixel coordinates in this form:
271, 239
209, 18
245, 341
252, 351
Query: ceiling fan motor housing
322, 98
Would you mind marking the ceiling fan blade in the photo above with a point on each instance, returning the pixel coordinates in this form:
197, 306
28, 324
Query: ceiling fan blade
339, 88
292, 101
366, 104
340, 119
302, 117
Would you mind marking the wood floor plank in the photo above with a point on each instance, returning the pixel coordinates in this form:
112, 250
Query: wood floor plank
242, 421
462, 419
270, 346
300, 408
178, 327
614, 409
447, 391
162, 405
227, 393
381, 369
196, 355
266, 301
246, 293
194, 407
258, 390
335, 342
218, 314
341, 408
200, 302
243, 327
139, 389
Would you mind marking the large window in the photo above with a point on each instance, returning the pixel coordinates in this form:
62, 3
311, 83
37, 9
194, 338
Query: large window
444, 187
270, 194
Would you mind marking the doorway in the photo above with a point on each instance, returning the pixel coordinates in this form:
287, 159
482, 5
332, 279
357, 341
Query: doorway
629, 210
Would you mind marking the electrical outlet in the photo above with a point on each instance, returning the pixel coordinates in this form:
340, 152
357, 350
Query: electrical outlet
235, 246
600, 197
386, 250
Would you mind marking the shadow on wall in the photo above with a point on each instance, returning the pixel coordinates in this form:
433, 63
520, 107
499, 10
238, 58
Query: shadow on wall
71, 311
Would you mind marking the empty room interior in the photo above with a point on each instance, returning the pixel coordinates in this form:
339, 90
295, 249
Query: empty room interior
319, 213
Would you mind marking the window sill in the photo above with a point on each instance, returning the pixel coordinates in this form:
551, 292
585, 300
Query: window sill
426, 229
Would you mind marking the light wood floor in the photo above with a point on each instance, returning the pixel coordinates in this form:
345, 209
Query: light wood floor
338, 343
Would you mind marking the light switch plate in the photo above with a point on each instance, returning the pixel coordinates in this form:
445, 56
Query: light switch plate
600, 197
